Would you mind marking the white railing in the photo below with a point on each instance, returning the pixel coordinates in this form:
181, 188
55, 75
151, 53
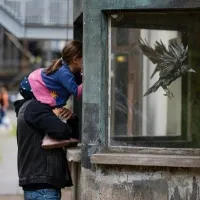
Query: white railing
14, 8
40, 12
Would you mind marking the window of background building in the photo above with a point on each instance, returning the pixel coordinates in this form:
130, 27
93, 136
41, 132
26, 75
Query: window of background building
153, 120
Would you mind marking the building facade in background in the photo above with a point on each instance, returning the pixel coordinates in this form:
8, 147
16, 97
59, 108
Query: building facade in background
32, 33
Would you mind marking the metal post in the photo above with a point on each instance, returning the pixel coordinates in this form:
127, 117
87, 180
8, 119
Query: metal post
75, 173
16, 57
9, 54
22, 15
46, 11
74, 178
49, 53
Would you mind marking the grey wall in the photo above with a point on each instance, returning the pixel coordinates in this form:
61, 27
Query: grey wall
131, 183
111, 182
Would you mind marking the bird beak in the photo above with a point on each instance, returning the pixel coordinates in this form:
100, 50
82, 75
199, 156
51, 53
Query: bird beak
191, 70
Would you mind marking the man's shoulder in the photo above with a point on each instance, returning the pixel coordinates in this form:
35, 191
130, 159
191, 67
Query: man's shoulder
33, 112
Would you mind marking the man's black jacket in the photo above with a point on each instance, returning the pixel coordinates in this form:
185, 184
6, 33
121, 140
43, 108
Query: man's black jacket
36, 165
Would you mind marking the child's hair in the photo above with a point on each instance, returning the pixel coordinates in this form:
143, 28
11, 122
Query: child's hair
72, 49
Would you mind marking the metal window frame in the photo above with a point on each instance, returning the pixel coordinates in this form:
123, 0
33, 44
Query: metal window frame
183, 141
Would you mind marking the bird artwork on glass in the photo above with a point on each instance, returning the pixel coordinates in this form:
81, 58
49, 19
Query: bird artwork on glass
171, 63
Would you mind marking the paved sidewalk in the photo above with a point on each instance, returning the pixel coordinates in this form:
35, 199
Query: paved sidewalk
8, 160
9, 189
11, 197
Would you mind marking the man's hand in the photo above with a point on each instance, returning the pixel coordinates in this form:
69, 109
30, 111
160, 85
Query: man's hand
66, 114
56, 111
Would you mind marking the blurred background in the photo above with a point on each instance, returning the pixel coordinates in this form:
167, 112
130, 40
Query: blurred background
32, 34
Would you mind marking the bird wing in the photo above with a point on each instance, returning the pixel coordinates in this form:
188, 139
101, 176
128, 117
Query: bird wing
166, 67
148, 51
177, 49
160, 47
170, 60
157, 69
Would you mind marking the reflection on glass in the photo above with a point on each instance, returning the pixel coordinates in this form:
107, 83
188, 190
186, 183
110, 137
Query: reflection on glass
134, 115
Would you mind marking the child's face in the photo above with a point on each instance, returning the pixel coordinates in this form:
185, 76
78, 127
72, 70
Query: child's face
78, 63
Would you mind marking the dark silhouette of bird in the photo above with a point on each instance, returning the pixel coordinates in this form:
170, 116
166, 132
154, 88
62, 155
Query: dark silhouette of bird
171, 63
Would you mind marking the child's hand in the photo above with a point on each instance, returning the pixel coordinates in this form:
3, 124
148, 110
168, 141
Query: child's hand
66, 114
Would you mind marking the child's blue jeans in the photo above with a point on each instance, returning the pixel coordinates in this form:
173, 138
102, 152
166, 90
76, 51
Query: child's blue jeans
43, 194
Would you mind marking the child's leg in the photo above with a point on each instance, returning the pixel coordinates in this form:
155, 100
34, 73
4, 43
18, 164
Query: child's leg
50, 143
74, 125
